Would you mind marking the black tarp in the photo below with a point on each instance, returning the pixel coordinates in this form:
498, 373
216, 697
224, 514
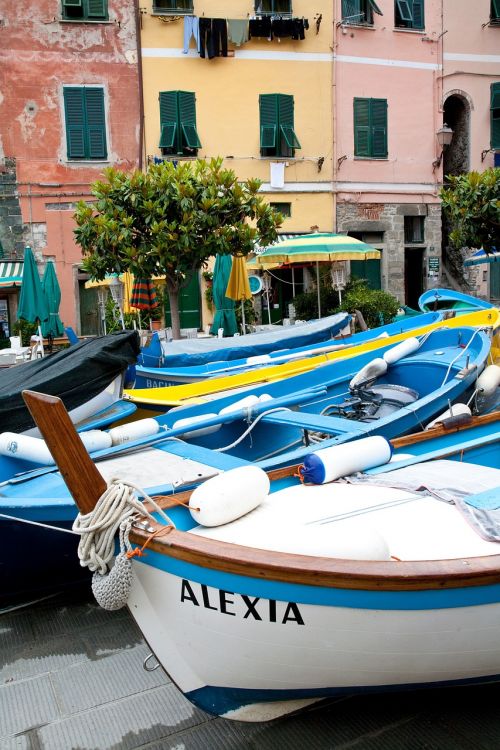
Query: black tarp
75, 374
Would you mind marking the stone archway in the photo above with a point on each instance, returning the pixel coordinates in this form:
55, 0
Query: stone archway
456, 114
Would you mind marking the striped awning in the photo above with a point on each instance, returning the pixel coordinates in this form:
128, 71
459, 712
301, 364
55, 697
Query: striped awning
11, 273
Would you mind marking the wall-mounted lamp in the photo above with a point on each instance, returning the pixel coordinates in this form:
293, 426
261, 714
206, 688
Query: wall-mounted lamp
485, 152
117, 292
444, 136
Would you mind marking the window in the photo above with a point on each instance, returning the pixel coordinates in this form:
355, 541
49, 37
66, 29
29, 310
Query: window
178, 123
183, 7
277, 134
284, 208
495, 115
273, 7
414, 228
85, 122
85, 10
409, 14
370, 128
495, 11
358, 12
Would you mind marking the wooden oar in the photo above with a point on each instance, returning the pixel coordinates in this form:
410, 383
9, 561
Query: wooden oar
85, 483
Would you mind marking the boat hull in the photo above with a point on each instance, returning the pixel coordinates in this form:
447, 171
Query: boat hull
249, 649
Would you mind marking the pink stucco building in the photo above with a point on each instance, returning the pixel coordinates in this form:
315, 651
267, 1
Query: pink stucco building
70, 106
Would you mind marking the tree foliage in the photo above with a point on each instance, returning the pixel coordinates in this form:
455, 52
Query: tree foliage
169, 221
472, 205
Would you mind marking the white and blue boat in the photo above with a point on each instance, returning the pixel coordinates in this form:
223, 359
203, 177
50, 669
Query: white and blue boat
261, 595
450, 299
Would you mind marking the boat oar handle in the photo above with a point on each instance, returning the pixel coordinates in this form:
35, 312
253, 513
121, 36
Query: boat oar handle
83, 479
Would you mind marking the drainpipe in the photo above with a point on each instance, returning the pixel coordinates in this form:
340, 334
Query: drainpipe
138, 25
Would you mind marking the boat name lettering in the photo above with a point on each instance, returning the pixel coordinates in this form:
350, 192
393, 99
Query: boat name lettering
258, 609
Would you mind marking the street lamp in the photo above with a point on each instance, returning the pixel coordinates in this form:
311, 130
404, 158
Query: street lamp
102, 295
444, 136
116, 289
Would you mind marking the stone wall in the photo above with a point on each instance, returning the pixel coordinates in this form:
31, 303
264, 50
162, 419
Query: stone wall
11, 222
387, 219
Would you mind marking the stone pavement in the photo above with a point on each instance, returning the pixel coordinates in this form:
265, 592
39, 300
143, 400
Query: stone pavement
71, 677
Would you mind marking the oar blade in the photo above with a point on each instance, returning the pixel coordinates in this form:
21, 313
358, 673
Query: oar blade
81, 475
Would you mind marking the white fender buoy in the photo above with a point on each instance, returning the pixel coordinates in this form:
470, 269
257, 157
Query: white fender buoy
26, 448
229, 495
403, 349
124, 433
371, 370
242, 403
328, 464
265, 397
190, 421
454, 411
258, 359
96, 440
489, 380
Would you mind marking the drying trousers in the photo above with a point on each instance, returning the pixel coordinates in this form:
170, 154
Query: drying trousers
213, 37
191, 28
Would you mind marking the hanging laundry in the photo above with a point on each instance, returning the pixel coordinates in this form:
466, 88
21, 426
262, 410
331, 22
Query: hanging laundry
277, 174
237, 31
298, 27
213, 37
259, 27
191, 28
282, 27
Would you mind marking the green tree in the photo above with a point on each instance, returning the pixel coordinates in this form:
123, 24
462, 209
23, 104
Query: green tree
169, 221
471, 203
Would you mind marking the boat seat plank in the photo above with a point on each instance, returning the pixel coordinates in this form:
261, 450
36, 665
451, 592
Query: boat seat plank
309, 421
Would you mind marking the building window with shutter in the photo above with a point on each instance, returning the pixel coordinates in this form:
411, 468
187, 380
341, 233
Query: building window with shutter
85, 10
176, 7
409, 14
495, 12
277, 131
178, 134
359, 12
495, 116
85, 122
370, 128
285, 209
273, 7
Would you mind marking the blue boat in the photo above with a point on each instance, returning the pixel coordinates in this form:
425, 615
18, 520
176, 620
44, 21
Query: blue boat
261, 595
449, 299
155, 377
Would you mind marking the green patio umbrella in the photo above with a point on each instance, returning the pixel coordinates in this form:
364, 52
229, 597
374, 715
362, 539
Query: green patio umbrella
319, 247
32, 304
225, 317
53, 326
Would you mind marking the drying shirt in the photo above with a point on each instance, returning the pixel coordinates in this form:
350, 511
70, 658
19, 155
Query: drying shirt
237, 31
259, 27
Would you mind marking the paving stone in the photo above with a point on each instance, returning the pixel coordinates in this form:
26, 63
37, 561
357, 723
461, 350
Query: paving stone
27, 704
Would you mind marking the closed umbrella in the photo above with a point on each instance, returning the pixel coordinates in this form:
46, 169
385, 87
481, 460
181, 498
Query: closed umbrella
53, 326
32, 302
318, 247
143, 296
238, 286
224, 306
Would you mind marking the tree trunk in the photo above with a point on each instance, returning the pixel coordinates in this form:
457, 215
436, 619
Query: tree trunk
173, 296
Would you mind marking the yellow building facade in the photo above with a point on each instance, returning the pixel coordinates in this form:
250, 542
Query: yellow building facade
266, 108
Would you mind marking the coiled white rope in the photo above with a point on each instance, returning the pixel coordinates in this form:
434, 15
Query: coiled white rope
117, 508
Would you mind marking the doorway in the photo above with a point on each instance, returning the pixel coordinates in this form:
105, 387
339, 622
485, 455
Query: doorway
414, 275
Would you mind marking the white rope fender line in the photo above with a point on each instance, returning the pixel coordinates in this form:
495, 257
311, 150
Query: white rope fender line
116, 509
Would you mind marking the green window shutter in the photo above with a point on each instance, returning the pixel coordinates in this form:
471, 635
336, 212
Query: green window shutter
495, 9
495, 116
96, 123
168, 133
97, 8
289, 135
268, 108
74, 110
187, 117
169, 116
379, 127
72, 3
286, 120
418, 14
373, 5
404, 9
362, 127
190, 134
351, 11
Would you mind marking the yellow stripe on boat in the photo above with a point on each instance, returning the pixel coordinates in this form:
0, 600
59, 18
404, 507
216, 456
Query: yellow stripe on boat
178, 395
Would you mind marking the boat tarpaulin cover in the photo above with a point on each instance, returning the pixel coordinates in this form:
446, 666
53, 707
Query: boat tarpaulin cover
75, 374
